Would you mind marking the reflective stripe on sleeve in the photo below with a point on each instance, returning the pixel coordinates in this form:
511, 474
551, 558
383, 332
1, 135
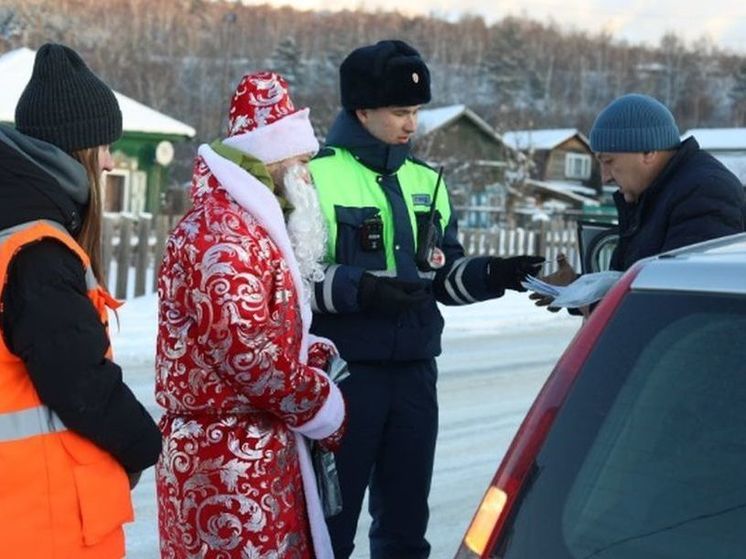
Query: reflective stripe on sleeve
331, 271
455, 282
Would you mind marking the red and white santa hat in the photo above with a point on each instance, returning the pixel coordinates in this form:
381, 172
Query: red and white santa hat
264, 123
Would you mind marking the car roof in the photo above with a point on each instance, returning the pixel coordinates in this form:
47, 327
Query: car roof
717, 266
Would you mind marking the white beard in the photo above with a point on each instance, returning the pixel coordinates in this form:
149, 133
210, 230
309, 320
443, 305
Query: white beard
306, 227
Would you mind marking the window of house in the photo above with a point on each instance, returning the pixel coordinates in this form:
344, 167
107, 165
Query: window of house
477, 217
115, 191
578, 166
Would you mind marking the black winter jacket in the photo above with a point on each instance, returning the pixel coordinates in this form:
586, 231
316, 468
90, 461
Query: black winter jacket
694, 199
47, 318
368, 335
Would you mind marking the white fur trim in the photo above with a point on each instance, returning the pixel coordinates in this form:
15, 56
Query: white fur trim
322, 544
258, 200
288, 137
329, 417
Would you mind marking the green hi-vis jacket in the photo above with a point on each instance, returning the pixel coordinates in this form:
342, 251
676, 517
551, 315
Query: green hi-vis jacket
374, 222
347, 209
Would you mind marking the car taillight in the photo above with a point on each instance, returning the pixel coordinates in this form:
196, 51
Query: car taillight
487, 524
488, 512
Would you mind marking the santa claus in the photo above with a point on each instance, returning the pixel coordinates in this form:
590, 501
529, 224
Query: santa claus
237, 372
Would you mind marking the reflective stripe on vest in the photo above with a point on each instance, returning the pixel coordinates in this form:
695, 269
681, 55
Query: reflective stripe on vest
36, 420
73, 495
341, 180
31, 422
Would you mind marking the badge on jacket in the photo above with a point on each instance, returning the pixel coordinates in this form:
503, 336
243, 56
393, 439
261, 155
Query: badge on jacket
371, 234
436, 258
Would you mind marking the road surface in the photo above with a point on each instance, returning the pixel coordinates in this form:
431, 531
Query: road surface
486, 384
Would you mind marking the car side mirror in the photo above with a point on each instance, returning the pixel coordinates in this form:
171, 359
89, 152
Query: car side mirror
596, 244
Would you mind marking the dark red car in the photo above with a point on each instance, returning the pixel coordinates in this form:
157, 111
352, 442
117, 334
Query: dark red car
636, 445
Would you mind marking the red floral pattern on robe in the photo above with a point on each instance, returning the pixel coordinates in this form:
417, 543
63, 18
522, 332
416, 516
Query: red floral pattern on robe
229, 378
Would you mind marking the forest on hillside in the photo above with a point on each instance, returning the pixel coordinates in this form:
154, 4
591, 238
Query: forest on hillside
184, 57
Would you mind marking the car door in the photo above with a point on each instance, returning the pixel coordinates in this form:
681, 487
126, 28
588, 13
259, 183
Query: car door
596, 243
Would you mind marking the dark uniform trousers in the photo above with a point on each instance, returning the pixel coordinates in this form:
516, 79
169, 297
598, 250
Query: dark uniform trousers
389, 446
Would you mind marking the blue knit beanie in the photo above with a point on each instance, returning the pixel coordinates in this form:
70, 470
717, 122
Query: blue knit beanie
634, 123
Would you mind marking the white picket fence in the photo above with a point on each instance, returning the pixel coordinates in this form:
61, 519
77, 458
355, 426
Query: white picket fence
548, 239
133, 247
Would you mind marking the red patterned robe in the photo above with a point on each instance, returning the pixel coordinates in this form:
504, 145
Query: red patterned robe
231, 375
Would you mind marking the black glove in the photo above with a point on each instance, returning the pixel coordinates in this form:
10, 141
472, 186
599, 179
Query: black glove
508, 273
389, 295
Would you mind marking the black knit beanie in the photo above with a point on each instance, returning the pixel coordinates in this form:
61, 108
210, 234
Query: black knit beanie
65, 104
388, 74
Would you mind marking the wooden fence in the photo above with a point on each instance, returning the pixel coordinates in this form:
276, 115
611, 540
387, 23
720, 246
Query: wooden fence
547, 238
133, 247
132, 250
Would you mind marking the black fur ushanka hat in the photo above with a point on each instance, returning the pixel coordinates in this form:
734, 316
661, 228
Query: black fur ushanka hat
389, 73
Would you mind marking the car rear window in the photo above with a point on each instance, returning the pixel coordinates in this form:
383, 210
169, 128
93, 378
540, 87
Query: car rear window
647, 456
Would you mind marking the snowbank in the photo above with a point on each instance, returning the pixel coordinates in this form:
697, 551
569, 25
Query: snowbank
134, 341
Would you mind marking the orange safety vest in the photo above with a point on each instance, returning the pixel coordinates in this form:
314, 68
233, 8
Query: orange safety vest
61, 496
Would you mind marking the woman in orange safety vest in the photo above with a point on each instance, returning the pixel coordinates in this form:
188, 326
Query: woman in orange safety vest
73, 437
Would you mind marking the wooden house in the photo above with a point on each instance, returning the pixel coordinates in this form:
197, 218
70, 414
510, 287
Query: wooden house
561, 157
473, 156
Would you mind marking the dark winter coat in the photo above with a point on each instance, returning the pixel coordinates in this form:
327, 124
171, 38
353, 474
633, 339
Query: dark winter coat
695, 198
367, 335
47, 317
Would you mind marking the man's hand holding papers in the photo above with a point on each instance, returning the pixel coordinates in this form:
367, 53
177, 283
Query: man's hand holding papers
564, 275
585, 290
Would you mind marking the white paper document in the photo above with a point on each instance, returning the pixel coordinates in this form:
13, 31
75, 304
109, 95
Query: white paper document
585, 290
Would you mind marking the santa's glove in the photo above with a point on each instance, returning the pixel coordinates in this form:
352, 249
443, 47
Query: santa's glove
564, 275
320, 355
333, 441
508, 273
390, 295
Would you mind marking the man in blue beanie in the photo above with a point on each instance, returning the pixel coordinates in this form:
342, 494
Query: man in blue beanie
671, 193
393, 253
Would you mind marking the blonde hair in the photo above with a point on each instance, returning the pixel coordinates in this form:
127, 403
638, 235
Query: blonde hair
89, 236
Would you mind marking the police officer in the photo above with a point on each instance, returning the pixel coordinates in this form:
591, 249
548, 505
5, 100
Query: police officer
393, 252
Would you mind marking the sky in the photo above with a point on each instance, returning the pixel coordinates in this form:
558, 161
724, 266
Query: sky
636, 21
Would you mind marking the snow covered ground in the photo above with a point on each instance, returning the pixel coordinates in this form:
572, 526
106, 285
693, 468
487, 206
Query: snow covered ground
496, 355
134, 341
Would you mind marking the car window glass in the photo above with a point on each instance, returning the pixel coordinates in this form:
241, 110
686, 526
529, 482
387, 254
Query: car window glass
645, 457
649, 485
596, 243
600, 251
